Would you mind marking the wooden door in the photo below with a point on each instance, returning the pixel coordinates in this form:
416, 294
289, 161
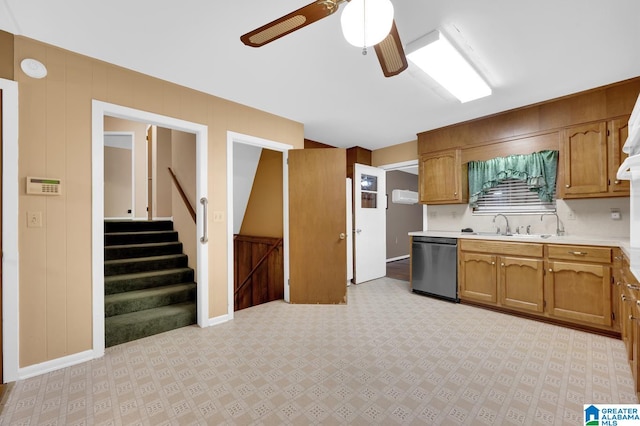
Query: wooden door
317, 226
585, 159
478, 277
522, 283
618, 133
580, 291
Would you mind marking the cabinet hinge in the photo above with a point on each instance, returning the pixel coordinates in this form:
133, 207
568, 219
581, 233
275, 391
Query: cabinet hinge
608, 132
612, 280
544, 303
613, 316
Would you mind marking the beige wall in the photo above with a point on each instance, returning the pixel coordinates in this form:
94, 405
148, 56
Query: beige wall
263, 217
161, 178
183, 164
55, 140
395, 154
139, 130
117, 182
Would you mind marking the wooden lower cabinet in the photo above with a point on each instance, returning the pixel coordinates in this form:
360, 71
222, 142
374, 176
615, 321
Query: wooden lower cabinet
521, 283
477, 272
629, 308
489, 275
580, 291
565, 283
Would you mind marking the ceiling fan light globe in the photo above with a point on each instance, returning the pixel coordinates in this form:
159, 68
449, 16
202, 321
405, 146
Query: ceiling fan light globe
366, 22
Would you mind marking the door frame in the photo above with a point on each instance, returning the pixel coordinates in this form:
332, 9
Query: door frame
233, 138
10, 255
402, 166
132, 142
99, 110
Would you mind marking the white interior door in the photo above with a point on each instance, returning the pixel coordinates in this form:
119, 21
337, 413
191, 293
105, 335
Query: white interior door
370, 203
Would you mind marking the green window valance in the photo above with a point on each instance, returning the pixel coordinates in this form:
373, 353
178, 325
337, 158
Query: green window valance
537, 169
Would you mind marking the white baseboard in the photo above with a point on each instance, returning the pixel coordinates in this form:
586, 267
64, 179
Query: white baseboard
219, 320
55, 364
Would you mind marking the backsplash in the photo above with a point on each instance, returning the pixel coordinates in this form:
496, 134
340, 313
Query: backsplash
588, 217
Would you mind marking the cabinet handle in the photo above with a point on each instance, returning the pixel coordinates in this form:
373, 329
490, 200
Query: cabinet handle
455, 194
638, 302
578, 253
633, 287
502, 264
617, 182
631, 317
550, 270
623, 297
493, 263
567, 186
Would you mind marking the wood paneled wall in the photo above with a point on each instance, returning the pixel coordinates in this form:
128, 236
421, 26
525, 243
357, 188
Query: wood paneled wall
267, 282
534, 127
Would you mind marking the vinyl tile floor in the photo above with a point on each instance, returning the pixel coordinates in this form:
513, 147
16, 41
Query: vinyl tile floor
386, 357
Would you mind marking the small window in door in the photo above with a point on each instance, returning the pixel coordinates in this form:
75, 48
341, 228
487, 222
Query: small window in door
368, 191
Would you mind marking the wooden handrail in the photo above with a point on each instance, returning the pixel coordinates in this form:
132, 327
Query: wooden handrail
192, 211
255, 268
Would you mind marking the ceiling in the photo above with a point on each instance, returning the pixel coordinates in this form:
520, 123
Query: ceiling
528, 51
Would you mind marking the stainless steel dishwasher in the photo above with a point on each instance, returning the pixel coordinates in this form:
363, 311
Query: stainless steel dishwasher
434, 267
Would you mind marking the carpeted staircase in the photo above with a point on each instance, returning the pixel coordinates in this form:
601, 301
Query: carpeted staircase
148, 287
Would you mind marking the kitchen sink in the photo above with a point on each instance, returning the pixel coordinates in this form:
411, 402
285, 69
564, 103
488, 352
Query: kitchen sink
517, 236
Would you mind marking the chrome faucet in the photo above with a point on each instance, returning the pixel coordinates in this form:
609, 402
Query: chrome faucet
507, 230
558, 230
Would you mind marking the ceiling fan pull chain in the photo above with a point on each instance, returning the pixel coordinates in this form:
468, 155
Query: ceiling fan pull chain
364, 27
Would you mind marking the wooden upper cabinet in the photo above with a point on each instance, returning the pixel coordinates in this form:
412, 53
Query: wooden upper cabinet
591, 155
618, 133
443, 178
584, 153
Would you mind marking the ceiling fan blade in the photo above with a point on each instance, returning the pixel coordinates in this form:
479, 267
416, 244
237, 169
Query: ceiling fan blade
391, 53
289, 23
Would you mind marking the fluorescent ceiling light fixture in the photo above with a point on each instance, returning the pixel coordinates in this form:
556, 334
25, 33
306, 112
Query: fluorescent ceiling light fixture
366, 23
437, 57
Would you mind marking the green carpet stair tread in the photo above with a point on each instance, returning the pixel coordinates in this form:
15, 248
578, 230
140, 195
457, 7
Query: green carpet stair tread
132, 301
143, 264
130, 251
149, 279
137, 225
120, 238
136, 325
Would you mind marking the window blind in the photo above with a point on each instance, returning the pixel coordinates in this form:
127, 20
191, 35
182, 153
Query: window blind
512, 196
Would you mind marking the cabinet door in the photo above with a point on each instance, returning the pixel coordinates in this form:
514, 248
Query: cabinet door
584, 149
580, 291
440, 178
521, 283
618, 133
478, 277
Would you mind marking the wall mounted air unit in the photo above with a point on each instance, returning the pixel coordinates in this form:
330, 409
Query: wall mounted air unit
403, 196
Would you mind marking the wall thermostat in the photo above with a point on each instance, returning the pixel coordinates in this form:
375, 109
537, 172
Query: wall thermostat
43, 186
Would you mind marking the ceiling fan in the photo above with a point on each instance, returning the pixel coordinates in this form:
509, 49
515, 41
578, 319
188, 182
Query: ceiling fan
389, 51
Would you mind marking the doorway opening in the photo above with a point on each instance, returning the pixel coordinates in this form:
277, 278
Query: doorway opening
100, 111
244, 151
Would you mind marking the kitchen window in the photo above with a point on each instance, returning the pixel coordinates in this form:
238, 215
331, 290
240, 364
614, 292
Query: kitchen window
514, 184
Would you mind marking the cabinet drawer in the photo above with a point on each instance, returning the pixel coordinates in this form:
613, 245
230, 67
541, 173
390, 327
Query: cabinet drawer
501, 247
581, 253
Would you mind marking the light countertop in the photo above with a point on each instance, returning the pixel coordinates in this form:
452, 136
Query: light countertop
633, 254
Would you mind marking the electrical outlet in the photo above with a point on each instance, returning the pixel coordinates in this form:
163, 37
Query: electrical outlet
218, 216
34, 219
615, 214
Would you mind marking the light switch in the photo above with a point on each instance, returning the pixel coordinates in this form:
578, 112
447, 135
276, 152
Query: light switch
34, 219
218, 216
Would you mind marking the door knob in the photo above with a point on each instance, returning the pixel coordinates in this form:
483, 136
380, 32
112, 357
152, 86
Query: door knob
342, 236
